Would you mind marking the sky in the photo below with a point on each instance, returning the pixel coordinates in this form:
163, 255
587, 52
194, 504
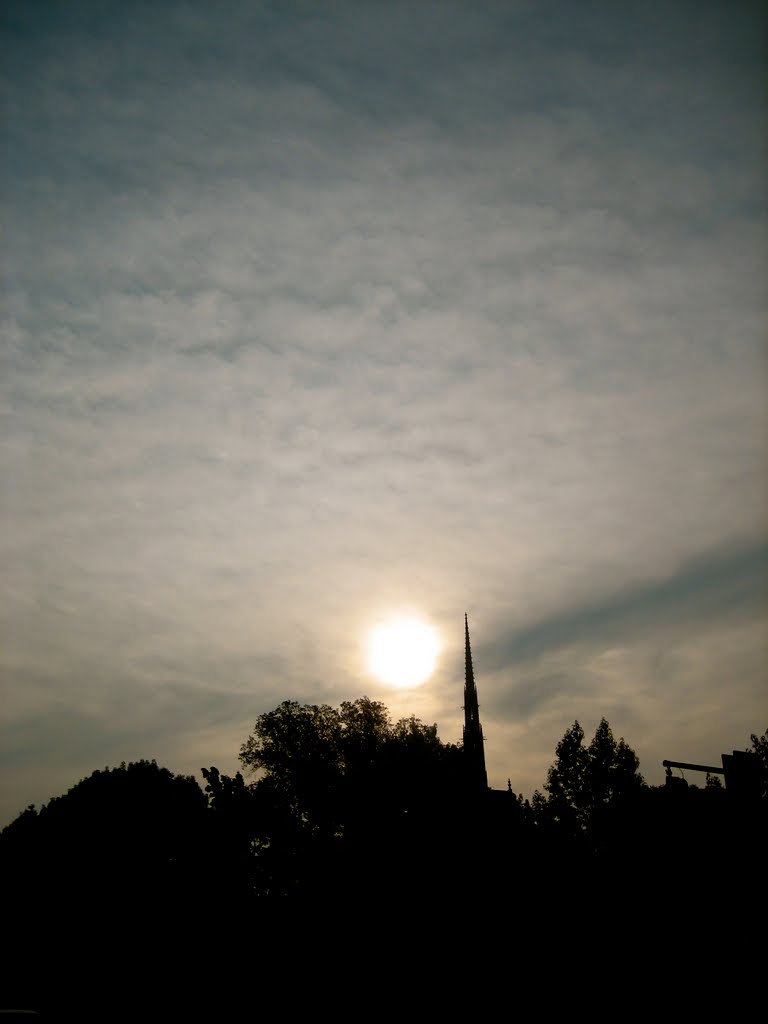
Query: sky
318, 313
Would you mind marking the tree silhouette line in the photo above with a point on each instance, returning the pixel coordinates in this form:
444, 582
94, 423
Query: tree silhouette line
339, 817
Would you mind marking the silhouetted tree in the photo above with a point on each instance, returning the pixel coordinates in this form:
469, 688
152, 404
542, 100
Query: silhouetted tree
317, 755
343, 790
137, 819
612, 768
297, 749
234, 825
112, 870
588, 787
566, 783
760, 751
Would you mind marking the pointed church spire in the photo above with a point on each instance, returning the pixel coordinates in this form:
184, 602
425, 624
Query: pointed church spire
474, 752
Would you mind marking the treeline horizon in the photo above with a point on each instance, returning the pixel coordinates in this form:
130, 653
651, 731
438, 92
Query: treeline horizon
251, 756
342, 820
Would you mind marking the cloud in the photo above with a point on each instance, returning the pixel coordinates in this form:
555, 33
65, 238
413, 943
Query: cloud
312, 313
723, 587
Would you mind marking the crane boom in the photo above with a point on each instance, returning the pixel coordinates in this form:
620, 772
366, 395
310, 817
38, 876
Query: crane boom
694, 767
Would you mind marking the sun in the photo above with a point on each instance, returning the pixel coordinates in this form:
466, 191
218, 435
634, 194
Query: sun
403, 652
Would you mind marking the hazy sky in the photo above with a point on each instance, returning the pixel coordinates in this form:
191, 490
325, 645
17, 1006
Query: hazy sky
317, 311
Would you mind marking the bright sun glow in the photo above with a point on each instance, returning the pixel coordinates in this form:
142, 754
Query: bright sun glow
403, 652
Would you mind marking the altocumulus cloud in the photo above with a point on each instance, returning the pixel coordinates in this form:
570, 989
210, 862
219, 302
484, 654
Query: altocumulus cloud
312, 311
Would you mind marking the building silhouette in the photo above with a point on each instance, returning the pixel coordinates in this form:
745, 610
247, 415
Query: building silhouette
476, 777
